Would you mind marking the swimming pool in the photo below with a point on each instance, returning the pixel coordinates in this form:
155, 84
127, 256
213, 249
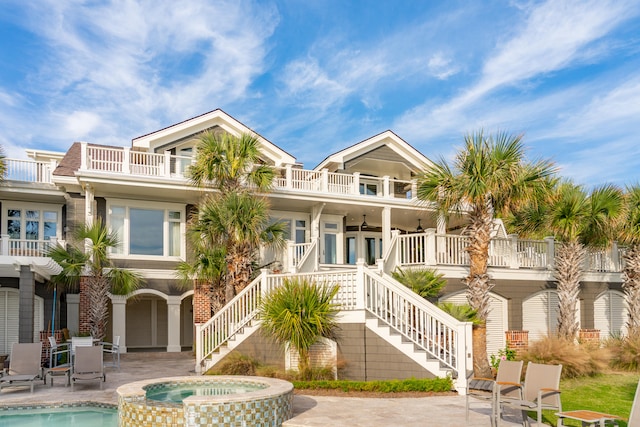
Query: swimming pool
60, 416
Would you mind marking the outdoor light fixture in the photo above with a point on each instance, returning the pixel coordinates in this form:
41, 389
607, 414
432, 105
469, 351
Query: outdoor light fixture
364, 222
419, 229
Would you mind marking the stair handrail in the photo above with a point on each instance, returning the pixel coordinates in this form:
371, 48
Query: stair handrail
229, 320
419, 321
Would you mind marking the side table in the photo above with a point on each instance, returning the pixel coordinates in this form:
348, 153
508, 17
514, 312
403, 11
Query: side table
59, 371
587, 417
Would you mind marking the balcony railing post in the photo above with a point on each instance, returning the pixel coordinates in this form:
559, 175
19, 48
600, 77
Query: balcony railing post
83, 156
288, 176
4, 244
385, 187
167, 163
126, 160
513, 249
615, 257
360, 285
430, 243
356, 183
325, 181
550, 252
414, 189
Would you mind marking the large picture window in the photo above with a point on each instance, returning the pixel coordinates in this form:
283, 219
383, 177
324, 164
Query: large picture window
148, 230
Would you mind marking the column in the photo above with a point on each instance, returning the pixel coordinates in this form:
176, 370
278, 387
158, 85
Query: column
386, 230
173, 321
27, 291
119, 327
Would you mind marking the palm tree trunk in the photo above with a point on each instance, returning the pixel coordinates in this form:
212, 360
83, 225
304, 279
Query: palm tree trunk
631, 287
569, 263
98, 288
479, 283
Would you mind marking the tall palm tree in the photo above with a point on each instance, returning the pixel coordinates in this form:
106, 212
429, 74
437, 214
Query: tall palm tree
230, 163
579, 220
91, 260
234, 217
239, 222
489, 177
299, 313
631, 257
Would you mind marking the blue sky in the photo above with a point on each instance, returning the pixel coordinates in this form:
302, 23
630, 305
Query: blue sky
314, 77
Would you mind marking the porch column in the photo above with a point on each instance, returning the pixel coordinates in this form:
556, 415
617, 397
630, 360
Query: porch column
386, 229
119, 327
173, 327
550, 252
88, 204
26, 294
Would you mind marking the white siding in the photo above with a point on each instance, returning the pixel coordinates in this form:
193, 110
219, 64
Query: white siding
610, 314
497, 322
540, 314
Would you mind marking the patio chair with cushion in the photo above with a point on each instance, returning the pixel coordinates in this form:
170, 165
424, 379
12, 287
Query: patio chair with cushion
509, 371
25, 365
87, 365
541, 390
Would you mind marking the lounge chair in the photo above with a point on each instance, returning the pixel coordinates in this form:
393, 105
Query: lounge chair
87, 365
113, 349
541, 390
509, 371
25, 365
56, 351
601, 418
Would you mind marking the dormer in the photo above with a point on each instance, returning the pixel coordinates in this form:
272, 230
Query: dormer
181, 138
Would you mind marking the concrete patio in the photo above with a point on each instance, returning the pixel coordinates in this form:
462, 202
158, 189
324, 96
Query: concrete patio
309, 411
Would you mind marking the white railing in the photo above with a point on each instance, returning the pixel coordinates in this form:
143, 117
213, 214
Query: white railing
431, 249
104, 159
28, 171
417, 320
443, 337
24, 247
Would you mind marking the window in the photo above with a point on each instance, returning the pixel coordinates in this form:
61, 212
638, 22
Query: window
147, 231
31, 223
369, 189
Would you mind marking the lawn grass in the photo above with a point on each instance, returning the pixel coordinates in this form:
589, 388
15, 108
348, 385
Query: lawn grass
612, 393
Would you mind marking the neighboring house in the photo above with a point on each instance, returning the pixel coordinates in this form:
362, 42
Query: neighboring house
357, 204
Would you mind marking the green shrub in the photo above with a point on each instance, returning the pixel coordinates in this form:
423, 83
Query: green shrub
435, 385
577, 359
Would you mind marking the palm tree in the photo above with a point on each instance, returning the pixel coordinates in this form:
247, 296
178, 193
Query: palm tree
234, 218
230, 163
91, 261
425, 282
239, 222
631, 257
299, 313
489, 177
579, 221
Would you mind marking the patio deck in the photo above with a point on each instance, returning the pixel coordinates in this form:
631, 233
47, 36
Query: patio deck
309, 411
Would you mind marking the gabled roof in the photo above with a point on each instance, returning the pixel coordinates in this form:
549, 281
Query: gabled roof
217, 118
387, 144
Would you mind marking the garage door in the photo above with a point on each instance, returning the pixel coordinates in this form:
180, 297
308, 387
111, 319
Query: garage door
540, 314
9, 315
610, 314
497, 322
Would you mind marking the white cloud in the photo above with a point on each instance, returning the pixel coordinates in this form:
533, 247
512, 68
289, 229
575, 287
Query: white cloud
440, 66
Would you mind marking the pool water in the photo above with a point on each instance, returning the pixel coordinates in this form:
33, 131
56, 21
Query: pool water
177, 392
60, 417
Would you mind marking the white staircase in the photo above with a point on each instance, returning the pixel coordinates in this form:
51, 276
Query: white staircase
433, 339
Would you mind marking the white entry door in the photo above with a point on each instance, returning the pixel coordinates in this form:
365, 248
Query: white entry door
331, 251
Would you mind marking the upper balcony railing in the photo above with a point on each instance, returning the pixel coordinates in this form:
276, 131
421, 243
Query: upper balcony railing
25, 247
128, 162
28, 170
